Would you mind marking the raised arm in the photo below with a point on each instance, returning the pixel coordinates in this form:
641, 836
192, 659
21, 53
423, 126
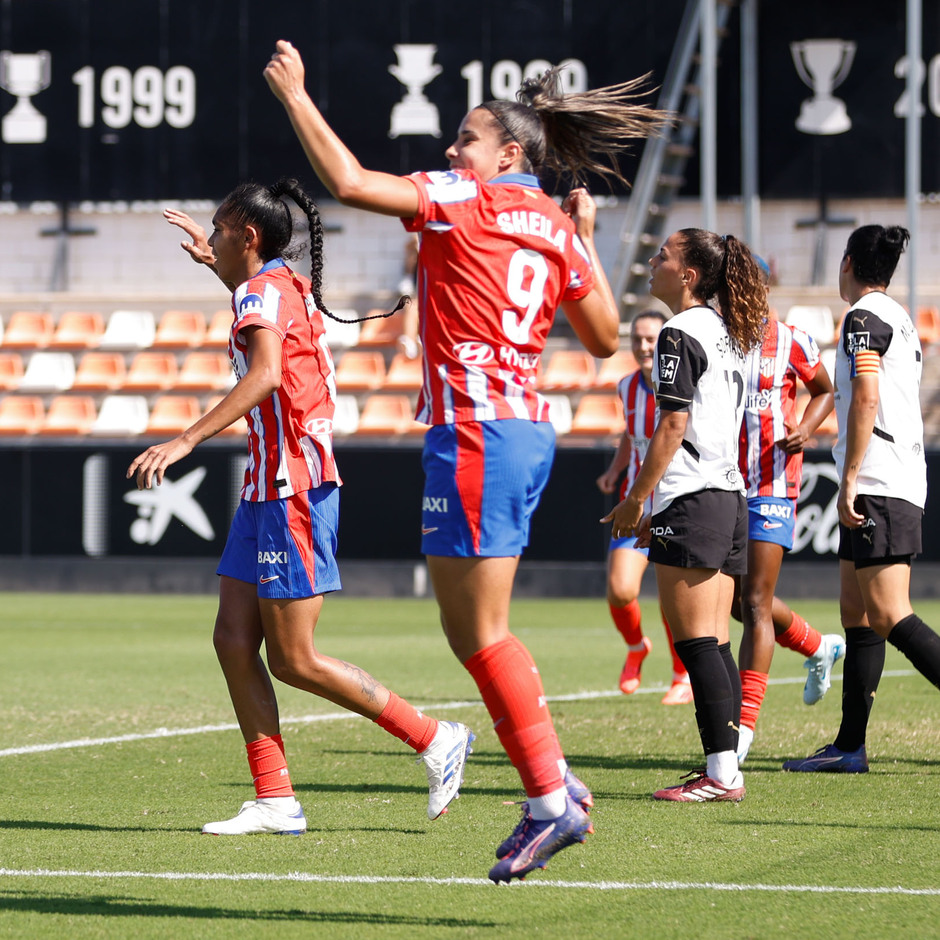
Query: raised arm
594, 318
339, 170
198, 249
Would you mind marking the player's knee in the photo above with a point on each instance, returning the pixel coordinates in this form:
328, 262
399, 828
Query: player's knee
620, 594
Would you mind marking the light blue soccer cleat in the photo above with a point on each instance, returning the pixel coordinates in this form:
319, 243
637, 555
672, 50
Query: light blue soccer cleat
819, 666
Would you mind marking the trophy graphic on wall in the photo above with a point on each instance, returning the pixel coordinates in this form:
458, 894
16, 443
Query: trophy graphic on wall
414, 114
823, 65
24, 75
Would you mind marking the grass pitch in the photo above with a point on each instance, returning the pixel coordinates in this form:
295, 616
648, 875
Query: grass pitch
121, 743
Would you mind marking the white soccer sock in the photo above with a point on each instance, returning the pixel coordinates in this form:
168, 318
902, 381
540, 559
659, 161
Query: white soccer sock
549, 805
722, 766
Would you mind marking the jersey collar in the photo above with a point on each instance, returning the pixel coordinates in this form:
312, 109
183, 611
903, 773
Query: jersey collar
519, 179
272, 264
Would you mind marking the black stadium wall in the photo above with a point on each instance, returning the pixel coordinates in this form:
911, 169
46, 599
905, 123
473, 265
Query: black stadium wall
75, 501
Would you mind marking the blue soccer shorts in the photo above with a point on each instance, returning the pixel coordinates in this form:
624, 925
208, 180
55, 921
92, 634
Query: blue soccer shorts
287, 547
483, 480
771, 519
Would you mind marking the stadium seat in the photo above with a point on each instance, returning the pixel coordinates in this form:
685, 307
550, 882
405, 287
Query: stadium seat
49, 372
383, 331
28, 330
404, 374
129, 329
219, 330
928, 325
569, 369
121, 416
360, 370
151, 371
78, 329
598, 415
613, 369
341, 335
238, 428
100, 372
205, 371
817, 321
69, 414
21, 414
173, 414
560, 413
11, 370
346, 415
386, 414
180, 329
828, 359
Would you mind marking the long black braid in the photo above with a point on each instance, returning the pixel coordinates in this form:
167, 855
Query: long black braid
265, 209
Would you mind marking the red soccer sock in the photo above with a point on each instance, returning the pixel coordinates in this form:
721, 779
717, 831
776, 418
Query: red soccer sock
800, 637
627, 621
407, 723
753, 689
511, 688
678, 667
269, 767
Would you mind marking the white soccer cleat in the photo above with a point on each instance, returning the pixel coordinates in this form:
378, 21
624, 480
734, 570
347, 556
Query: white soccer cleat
280, 815
745, 740
445, 759
819, 667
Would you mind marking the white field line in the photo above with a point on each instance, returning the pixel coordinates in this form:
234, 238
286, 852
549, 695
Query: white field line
344, 715
310, 878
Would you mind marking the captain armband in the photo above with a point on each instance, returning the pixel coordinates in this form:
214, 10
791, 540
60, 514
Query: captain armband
867, 362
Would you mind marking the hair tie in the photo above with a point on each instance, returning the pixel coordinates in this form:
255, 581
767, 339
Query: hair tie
506, 128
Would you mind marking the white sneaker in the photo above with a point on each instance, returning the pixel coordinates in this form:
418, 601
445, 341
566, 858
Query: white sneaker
819, 666
281, 815
445, 759
745, 739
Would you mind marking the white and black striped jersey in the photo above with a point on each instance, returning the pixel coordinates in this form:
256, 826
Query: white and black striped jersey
699, 370
894, 463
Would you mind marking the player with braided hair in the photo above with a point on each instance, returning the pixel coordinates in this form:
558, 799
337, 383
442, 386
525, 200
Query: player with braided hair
279, 559
497, 258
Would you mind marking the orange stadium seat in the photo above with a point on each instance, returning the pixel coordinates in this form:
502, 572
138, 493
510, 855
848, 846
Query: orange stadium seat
598, 415
404, 374
173, 414
100, 371
386, 414
360, 370
28, 330
78, 329
11, 370
612, 370
928, 325
69, 414
180, 329
21, 414
383, 331
205, 371
151, 371
569, 369
219, 330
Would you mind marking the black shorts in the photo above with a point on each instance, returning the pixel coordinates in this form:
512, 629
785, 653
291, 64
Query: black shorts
707, 529
890, 533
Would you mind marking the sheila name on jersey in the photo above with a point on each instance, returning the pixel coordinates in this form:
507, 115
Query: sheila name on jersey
531, 223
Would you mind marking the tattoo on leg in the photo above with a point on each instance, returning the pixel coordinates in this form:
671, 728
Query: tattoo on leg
367, 684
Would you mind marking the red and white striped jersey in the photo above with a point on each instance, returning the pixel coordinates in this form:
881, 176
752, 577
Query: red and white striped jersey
496, 260
641, 415
290, 433
770, 375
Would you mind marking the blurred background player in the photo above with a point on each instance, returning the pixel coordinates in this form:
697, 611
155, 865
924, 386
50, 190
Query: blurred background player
883, 488
279, 558
496, 259
626, 563
771, 462
698, 529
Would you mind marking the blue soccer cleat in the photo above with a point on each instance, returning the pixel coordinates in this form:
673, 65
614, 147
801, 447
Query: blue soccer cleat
829, 759
539, 839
